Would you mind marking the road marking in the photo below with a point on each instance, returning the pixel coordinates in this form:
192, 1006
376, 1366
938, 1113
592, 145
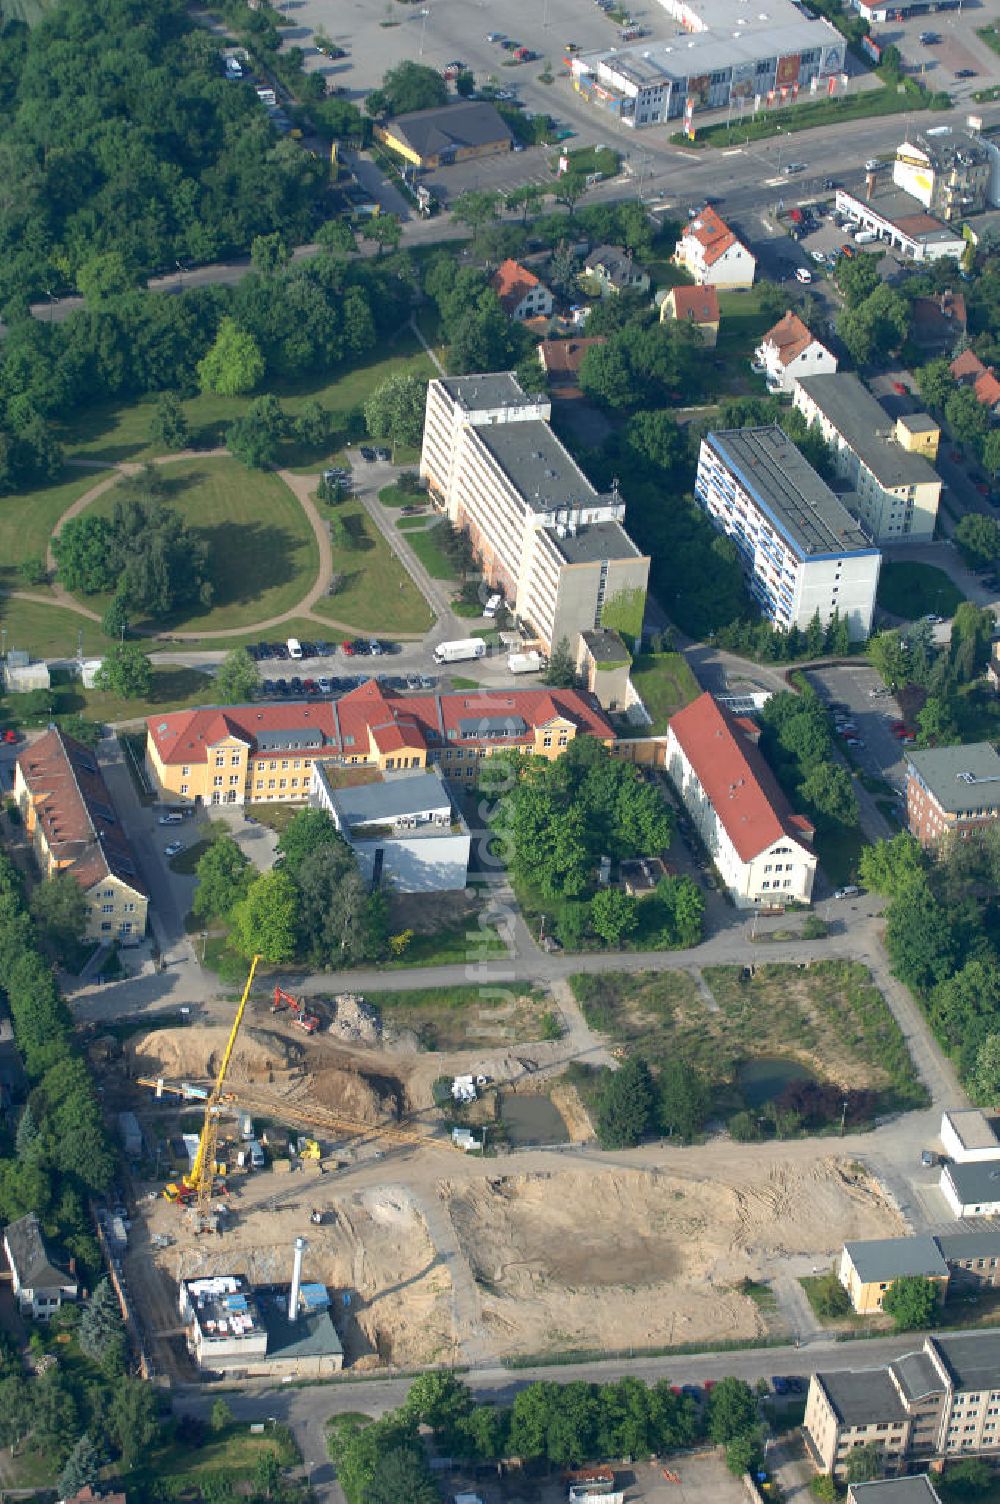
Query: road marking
734, 151
773, 182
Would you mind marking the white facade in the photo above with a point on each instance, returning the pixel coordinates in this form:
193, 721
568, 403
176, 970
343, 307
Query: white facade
224, 1329
801, 550
724, 265
545, 538
968, 1137
895, 493
420, 844
886, 219
536, 303
972, 1190
783, 364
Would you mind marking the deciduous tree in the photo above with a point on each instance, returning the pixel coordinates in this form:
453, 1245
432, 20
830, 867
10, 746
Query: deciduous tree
224, 876
125, 671
236, 680
911, 1301
233, 365
266, 920
395, 410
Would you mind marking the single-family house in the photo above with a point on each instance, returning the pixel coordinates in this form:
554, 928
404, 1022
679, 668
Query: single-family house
937, 323
39, 1285
968, 370
614, 270
761, 849
521, 294
697, 306
711, 252
790, 350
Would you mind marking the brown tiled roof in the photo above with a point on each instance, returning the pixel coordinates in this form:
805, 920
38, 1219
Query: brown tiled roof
987, 389
564, 357
929, 320
791, 336
75, 813
697, 305
511, 283
737, 781
967, 364
372, 713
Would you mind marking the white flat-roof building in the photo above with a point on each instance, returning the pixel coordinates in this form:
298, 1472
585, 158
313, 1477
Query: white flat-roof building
972, 1190
894, 492
402, 827
968, 1136
900, 220
720, 53
232, 1328
802, 551
552, 544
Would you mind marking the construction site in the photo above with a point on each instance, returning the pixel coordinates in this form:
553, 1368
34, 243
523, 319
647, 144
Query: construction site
291, 1127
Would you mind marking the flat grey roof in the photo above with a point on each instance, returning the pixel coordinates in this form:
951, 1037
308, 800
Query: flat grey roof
542, 470
956, 1246
919, 423
392, 798
916, 1375
861, 1396
973, 1358
494, 389
593, 542
687, 54
901, 209
606, 646
975, 1182
895, 1491
973, 1128
944, 145
960, 778
879, 1259
808, 514
868, 429
312, 1335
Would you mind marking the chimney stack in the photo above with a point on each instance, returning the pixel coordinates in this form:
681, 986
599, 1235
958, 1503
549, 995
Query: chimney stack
293, 1294
869, 186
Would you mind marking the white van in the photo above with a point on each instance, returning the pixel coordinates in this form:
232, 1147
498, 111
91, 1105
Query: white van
492, 605
865, 237
294, 647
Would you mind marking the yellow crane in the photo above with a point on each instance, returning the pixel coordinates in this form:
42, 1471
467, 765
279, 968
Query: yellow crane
197, 1184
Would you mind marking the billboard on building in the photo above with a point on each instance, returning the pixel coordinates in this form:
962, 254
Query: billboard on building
698, 88
788, 70
744, 81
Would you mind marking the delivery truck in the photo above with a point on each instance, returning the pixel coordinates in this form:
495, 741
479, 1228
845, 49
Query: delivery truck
459, 650
526, 663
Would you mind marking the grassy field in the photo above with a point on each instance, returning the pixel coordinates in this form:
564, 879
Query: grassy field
263, 556
914, 590
665, 684
430, 554
173, 689
741, 324
829, 1017
119, 431
375, 593
27, 520
49, 631
233, 1452
395, 496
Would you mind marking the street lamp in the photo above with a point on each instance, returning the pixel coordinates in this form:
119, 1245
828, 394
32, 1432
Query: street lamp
424, 13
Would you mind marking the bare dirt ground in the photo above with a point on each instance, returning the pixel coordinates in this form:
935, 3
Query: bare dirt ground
372, 1244
634, 1258
703, 1480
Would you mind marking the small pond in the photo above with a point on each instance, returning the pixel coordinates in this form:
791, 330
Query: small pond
764, 1078
532, 1119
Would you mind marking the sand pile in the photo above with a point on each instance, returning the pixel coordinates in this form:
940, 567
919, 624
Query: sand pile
195, 1054
364, 1099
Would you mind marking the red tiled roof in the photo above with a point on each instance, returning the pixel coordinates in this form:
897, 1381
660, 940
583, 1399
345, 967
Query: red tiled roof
737, 781
511, 283
929, 319
391, 720
987, 389
967, 364
698, 305
791, 336
712, 234
75, 813
564, 357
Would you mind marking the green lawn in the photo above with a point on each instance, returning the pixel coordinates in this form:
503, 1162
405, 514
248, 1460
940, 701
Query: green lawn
395, 496
173, 689
413, 524
990, 35
27, 520
263, 554
375, 593
430, 554
839, 852
741, 324
914, 590
117, 431
665, 684
233, 1452
49, 631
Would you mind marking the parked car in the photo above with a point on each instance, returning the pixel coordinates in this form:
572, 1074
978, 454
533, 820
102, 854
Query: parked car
853, 741
928, 1158
900, 389
819, 257
11, 736
849, 891
173, 848
383, 454
412, 682
367, 454
779, 1383
295, 685
793, 167
965, 72
375, 648
281, 685
348, 648
873, 164
324, 685
170, 819
803, 274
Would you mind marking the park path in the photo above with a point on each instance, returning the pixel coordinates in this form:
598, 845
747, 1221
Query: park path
299, 485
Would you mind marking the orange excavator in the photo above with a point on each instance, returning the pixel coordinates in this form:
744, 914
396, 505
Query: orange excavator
297, 1008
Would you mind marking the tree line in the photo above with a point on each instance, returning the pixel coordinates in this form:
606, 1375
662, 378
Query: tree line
937, 684
313, 904
547, 1425
941, 942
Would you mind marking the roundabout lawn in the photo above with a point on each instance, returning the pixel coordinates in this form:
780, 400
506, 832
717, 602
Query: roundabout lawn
911, 590
263, 556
